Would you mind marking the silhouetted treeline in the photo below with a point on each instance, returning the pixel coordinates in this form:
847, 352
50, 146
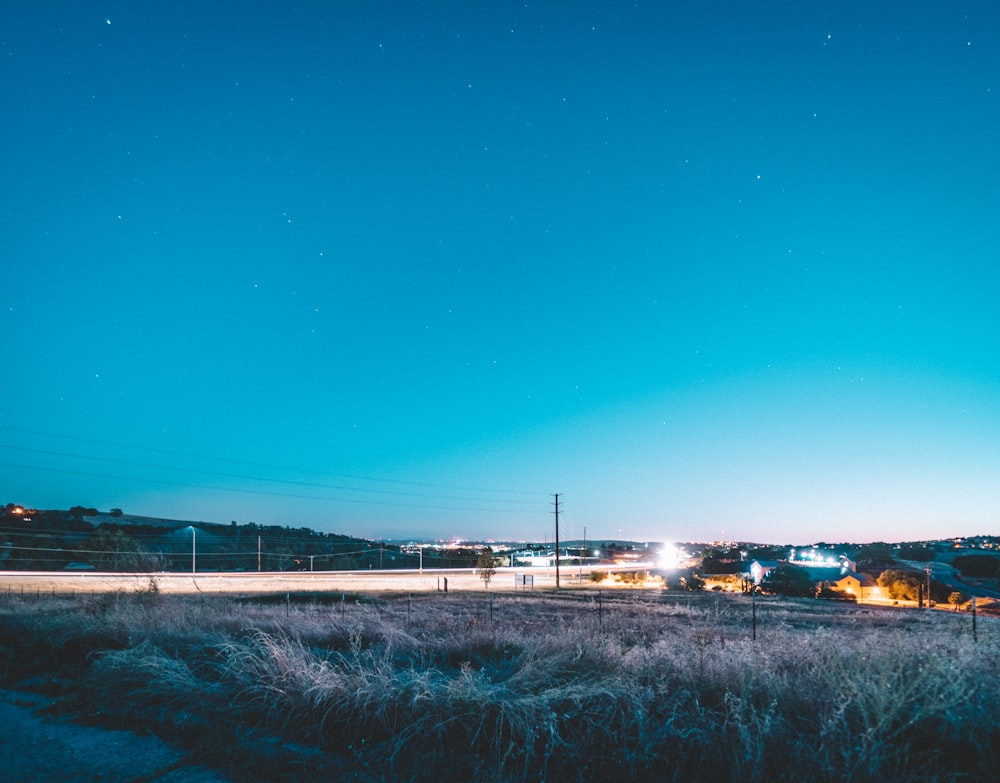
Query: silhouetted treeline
82, 538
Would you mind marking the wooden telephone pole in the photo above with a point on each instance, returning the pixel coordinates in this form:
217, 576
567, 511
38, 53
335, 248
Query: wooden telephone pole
557, 541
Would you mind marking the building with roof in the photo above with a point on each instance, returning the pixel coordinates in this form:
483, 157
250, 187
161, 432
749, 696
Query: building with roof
861, 586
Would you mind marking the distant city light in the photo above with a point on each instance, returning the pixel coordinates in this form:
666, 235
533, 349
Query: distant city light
669, 556
813, 557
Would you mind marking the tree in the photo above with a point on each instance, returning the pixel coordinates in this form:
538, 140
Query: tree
113, 550
901, 585
714, 565
693, 582
767, 553
955, 599
922, 554
977, 566
875, 557
486, 566
689, 581
789, 580
35, 552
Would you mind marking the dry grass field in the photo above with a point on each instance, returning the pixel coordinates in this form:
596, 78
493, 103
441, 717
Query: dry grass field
578, 685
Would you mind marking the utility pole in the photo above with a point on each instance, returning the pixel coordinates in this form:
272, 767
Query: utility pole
557, 541
258, 554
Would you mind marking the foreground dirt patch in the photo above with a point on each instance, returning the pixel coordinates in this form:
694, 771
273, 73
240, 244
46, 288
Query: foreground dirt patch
37, 748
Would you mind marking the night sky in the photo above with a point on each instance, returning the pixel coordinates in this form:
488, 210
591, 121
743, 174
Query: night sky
406, 269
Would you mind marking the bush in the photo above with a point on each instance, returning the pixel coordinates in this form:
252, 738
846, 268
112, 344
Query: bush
836, 595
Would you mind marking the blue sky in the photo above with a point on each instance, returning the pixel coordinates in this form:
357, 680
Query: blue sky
407, 269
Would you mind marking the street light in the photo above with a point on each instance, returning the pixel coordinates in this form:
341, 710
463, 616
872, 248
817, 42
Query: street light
192, 548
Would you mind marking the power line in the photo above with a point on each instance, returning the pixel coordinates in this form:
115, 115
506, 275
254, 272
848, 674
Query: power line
215, 538
247, 491
242, 477
150, 552
183, 553
267, 466
140, 552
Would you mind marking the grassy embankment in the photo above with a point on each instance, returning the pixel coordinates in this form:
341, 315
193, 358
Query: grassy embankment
653, 686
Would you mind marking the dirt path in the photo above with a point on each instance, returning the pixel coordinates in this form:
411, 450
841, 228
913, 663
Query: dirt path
36, 748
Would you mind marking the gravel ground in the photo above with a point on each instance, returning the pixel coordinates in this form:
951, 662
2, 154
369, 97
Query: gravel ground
36, 748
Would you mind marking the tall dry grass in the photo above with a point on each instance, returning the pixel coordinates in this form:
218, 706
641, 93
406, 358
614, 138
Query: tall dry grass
532, 688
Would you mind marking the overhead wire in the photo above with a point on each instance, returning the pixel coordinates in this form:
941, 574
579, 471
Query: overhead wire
242, 477
251, 491
368, 550
267, 466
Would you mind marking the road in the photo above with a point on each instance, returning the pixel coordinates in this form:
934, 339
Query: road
405, 581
